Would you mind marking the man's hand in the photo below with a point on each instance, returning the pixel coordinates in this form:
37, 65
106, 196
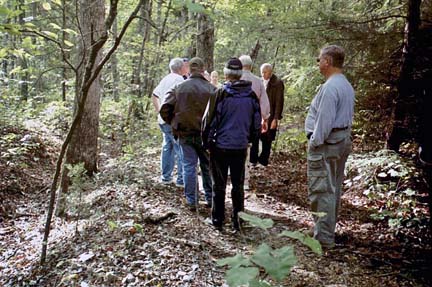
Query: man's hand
274, 124
264, 126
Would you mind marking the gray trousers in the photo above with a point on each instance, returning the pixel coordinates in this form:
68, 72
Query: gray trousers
325, 171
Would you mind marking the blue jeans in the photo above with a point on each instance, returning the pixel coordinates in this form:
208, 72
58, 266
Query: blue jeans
192, 151
170, 149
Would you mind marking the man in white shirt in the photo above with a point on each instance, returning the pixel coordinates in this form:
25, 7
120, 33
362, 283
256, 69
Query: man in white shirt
170, 147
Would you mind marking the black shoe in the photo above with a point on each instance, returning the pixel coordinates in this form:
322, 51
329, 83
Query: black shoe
217, 227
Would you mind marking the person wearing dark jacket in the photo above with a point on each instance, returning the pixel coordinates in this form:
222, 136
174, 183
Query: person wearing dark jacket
275, 92
183, 108
233, 120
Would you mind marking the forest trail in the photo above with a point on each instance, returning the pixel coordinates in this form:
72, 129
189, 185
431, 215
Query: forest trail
132, 231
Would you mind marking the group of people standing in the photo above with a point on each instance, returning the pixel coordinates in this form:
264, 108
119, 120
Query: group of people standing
214, 125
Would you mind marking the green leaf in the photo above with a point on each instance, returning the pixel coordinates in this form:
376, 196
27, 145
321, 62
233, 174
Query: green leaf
241, 276
4, 10
70, 31
409, 192
277, 263
256, 221
234, 262
46, 6
69, 44
259, 283
195, 7
3, 52
310, 242
50, 34
55, 26
319, 214
139, 227
112, 225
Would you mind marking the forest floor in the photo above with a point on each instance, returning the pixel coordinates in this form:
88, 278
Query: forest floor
126, 229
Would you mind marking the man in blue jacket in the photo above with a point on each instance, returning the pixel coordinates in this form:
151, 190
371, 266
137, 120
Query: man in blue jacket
233, 120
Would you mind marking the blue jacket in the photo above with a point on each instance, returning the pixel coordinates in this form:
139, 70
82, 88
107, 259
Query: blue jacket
234, 116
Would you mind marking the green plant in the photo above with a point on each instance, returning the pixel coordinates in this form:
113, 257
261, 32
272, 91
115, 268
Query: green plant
276, 263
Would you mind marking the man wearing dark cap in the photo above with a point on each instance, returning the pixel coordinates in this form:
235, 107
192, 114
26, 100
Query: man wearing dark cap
183, 107
232, 121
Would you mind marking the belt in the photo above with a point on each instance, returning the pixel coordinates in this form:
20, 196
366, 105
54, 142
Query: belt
339, 129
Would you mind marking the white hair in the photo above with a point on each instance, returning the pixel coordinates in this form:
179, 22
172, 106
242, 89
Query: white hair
246, 60
176, 65
233, 74
266, 66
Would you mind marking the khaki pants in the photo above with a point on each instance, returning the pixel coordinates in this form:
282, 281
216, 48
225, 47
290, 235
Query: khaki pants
325, 172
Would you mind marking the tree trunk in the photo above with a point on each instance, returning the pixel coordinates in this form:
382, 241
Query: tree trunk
114, 67
64, 38
405, 101
205, 40
254, 53
83, 146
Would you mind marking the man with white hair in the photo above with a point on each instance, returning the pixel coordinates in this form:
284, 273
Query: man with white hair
170, 147
257, 87
275, 92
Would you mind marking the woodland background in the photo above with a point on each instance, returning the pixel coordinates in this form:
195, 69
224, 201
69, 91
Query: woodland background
76, 79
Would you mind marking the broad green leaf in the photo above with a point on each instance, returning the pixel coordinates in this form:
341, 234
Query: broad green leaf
46, 6
55, 26
259, 283
69, 44
4, 10
70, 31
256, 221
11, 29
58, 2
319, 214
310, 242
277, 263
234, 262
29, 25
241, 276
3, 52
50, 34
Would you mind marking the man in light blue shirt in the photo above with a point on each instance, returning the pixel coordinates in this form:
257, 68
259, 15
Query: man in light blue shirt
328, 128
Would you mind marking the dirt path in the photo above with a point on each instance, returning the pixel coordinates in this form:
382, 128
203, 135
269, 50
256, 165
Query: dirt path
135, 232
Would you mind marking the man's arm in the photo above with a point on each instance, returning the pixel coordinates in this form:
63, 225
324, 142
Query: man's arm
278, 105
167, 106
325, 117
155, 100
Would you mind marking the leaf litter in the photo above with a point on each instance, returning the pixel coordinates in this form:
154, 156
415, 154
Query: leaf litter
136, 232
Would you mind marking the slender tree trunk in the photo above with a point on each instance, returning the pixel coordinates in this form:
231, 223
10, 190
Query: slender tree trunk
64, 38
405, 101
254, 53
83, 146
114, 67
22, 61
205, 40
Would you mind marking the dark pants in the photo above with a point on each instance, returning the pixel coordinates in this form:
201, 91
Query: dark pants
220, 161
266, 139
